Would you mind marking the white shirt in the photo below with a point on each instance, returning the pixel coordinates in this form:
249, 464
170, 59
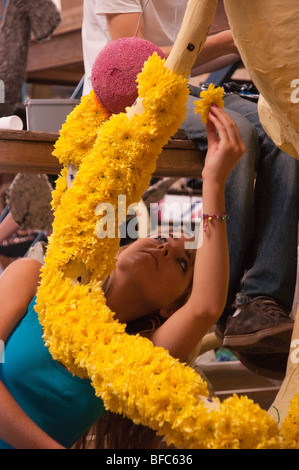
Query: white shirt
162, 21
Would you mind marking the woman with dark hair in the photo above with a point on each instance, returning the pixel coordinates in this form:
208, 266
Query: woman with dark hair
160, 280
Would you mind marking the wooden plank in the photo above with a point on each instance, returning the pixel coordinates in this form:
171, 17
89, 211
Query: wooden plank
181, 162
27, 157
31, 152
53, 61
61, 50
27, 152
232, 377
69, 75
33, 136
71, 16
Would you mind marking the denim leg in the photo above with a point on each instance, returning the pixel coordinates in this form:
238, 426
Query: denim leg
273, 273
274, 252
240, 205
262, 230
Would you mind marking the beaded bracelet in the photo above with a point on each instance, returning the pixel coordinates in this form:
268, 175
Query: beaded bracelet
207, 217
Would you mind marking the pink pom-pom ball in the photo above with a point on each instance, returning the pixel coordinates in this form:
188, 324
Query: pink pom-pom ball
115, 70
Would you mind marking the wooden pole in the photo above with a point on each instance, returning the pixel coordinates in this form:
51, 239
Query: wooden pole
192, 35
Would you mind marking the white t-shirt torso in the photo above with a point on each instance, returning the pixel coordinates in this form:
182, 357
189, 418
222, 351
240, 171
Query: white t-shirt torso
162, 21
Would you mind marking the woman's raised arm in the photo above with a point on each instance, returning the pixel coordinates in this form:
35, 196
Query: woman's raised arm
182, 331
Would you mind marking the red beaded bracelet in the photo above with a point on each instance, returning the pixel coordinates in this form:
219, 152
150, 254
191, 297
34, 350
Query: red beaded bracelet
207, 217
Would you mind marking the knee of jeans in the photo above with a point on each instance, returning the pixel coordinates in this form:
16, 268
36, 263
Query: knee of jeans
245, 127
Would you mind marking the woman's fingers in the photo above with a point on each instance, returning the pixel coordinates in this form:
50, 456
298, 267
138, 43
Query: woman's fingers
211, 134
226, 127
224, 123
219, 125
225, 145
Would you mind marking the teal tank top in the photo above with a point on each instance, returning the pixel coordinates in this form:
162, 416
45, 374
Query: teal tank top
63, 405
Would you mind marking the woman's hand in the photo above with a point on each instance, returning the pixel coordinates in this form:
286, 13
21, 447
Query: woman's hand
224, 149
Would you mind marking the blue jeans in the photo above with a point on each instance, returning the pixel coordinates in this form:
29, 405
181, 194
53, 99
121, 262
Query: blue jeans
263, 224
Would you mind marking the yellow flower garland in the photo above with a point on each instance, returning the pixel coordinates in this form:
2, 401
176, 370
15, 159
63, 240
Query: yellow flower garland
132, 376
77, 137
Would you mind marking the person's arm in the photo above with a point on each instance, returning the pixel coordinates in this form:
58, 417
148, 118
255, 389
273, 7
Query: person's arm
17, 429
125, 25
18, 284
216, 45
181, 332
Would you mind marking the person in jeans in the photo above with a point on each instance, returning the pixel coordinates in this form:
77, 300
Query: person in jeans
262, 201
261, 192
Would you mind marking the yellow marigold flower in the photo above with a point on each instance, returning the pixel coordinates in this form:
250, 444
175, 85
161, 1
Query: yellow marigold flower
79, 132
290, 426
60, 188
208, 97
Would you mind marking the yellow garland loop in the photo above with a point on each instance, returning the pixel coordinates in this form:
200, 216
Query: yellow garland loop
132, 376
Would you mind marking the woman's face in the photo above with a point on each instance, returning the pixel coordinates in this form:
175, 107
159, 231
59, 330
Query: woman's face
156, 270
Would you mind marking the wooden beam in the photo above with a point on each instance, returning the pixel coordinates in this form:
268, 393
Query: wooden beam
61, 50
31, 152
180, 157
68, 76
53, 61
232, 377
27, 152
